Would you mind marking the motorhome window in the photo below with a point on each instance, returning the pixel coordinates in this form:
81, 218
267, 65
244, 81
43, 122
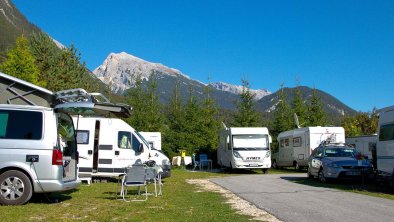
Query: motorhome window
16, 124
287, 142
82, 136
386, 132
250, 142
124, 140
282, 143
66, 135
297, 141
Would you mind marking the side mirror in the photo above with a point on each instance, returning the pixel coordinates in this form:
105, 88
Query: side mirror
141, 148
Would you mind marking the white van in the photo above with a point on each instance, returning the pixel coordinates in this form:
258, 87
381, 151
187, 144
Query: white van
366, 145
295, 146
244, 148
385, 145
107, 145
38, 152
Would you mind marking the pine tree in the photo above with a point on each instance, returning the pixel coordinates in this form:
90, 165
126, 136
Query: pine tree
20, 62
316, 114
210, 124
298, 105
246, 115
137, 100
153, 115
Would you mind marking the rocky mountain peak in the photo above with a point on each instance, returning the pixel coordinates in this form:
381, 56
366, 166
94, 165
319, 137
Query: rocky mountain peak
260, 93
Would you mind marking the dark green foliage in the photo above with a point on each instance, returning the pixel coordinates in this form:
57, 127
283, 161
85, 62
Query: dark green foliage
246, 115
298, 106
315, 113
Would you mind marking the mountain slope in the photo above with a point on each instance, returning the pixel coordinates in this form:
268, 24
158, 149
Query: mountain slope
12, 25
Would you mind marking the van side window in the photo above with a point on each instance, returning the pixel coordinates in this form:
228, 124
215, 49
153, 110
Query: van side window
297, 141
386, 132
124, 140
16, 124
82, 136
287, 142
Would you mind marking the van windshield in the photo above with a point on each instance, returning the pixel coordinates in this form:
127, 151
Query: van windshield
142, 138
250, 142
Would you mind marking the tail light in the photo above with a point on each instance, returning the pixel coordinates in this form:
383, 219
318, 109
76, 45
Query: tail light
57, 157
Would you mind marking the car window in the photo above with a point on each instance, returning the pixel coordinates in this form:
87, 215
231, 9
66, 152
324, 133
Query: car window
319, 152
339, 152
18, 124
124, 140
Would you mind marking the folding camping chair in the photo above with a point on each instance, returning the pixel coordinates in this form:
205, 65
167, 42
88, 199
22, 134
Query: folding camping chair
135, 177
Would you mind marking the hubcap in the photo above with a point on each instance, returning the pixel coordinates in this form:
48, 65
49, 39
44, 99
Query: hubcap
12, 188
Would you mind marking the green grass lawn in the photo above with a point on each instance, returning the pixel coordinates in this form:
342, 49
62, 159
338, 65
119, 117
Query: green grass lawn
181, 202
97, 202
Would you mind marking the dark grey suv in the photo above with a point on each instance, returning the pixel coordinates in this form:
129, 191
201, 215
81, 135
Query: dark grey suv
335, 161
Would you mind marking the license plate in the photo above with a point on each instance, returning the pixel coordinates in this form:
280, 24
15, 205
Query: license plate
353, 173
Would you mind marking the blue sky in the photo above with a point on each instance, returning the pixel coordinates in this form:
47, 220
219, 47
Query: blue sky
345, 48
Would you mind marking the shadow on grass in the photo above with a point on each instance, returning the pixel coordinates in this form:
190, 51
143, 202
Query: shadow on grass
51, 198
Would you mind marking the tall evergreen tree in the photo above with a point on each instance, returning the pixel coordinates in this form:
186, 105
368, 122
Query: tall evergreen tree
210, 124
137, 100
246, 115
154, 116
20, 62
298, 105
316, 114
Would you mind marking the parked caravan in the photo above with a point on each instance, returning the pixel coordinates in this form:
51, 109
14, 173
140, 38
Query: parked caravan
107, 145
295, 146
385, 145
244, 148
153, 138
38, 152
366, 145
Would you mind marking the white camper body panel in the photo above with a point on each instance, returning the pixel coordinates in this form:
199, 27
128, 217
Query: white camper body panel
153, 138
363, 144
295, 146
107, 145
245, 148
385, 144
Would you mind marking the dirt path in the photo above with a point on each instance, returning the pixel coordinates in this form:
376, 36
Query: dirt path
240, 205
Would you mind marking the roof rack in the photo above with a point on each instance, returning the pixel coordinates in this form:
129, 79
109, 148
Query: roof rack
79, 95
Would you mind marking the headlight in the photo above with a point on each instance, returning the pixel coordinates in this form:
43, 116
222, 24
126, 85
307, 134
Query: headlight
165, 162
237, 155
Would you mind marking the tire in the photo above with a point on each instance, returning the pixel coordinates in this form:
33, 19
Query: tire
274, 164
265, 171
16, 188
297, 167
321, 176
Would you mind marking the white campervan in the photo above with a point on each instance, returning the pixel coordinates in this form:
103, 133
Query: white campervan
38, 152
107, 145
385, 145
153, 138
366, 145
245, 148
295, 146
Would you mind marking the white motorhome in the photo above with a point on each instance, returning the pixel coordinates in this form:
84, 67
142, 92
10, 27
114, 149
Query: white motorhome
385, 145
295, 146
153, 138
245, 148
107, 145
366, 145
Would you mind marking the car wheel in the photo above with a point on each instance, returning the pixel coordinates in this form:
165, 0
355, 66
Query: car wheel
321, 176
274, 165
16, 188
